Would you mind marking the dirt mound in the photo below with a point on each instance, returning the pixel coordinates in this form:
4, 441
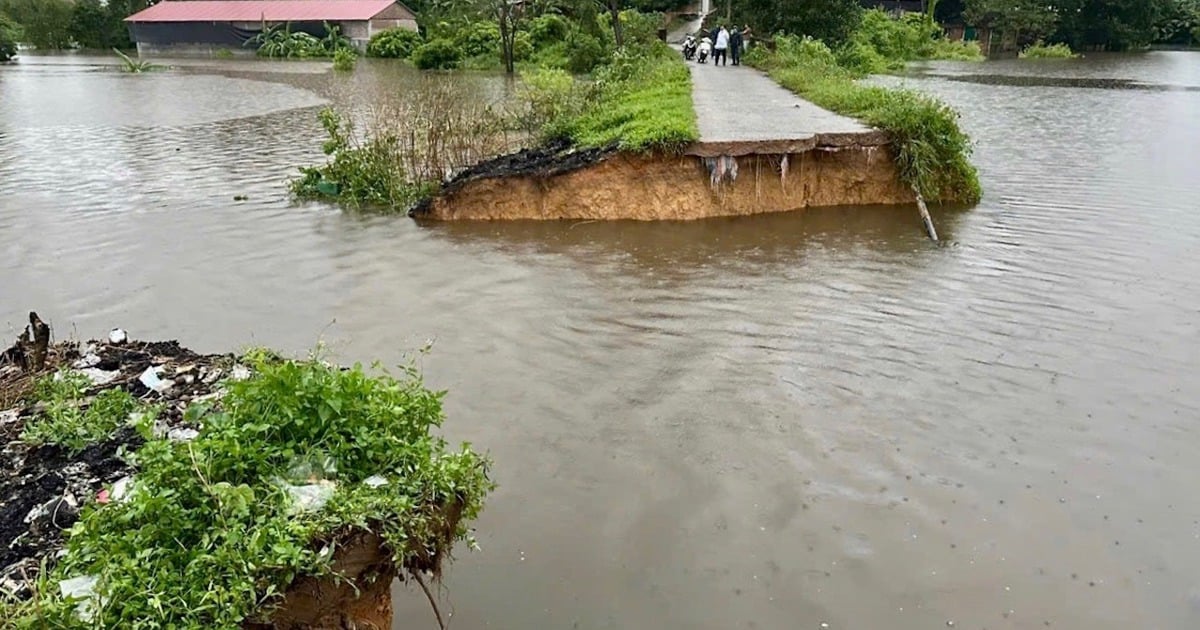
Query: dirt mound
555, 158
43, 488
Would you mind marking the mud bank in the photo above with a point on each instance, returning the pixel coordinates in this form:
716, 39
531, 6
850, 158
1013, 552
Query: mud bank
708, 180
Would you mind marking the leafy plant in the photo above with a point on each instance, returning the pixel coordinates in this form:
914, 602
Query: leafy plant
9, 34
135, 66
394, 43
1040, 50
71, 421
279, 41
208, 536
368, 172
344, 59
437, 54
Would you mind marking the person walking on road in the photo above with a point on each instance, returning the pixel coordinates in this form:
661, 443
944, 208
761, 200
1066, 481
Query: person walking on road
721, 47
735, 46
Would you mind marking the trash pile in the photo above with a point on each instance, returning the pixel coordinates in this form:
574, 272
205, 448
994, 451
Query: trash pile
44, 487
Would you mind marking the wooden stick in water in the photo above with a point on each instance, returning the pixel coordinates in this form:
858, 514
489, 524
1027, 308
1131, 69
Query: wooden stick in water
925, 215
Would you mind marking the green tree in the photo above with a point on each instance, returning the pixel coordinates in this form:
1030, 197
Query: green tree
1017, 22
1109, 24
830, 20
10, 34
44, 23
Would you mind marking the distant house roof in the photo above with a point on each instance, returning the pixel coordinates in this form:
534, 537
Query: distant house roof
261, 10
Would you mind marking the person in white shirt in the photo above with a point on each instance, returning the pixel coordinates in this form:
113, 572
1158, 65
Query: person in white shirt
721, 47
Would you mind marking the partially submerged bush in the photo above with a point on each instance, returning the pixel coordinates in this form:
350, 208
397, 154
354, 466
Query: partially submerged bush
931, 150
394, 43
1041, 50
358, 172
344, 60
437, 54
213, 530
280, 41
882, 43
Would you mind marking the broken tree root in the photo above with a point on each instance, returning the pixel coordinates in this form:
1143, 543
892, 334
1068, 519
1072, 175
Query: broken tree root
432, 602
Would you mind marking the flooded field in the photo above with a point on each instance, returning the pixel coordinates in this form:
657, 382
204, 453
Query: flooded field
767, 422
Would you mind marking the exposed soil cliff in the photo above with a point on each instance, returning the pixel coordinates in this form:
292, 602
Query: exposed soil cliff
600, 184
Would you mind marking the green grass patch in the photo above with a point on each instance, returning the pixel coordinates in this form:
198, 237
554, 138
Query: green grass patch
931, 149
1041, 50
209, 534
638, 101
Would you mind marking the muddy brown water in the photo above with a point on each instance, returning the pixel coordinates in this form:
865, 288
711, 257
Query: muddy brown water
765, 422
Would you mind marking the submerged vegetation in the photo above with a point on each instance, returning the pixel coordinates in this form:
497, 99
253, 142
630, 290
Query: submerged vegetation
280, 41
1041, 50
287, 464
636, 96
10, 34
882, 43
135, 66
931, 150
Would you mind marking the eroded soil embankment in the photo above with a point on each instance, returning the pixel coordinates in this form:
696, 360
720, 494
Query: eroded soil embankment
614, 185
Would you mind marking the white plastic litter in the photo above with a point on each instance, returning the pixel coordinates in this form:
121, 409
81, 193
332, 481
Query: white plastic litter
87, 361
82, 588
182, 434
98, 376
310, 497
117, 336
150, 379
120, 489
374, 481
240, 373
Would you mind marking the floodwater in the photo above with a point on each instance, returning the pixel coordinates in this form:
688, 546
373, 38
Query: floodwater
770, 422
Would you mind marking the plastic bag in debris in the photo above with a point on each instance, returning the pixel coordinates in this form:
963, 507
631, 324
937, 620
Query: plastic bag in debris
150, 379
117, 336
311, 467
240, 373
375, 481
98, 376
310, 497
82, 588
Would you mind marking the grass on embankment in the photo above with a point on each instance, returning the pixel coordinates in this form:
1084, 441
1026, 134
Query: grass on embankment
639, 101
931, 150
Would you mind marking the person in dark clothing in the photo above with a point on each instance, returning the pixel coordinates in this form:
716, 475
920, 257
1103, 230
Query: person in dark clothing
735, 46
716, 31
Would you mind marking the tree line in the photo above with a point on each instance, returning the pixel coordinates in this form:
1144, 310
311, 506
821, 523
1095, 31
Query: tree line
60, 24
1082, 24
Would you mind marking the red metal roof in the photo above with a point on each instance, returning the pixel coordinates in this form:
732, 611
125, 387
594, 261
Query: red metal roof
259, 10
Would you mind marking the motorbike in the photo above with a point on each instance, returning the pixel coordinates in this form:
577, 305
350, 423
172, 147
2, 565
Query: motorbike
689, 48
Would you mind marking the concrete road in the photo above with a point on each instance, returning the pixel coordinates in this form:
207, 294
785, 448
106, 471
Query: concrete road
740, 104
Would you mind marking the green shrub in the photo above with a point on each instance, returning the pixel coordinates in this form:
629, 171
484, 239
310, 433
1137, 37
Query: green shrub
394, 43
208, 536
862, 58
931, 149
437, 54
548, 29
369, 172
1040, 50
522, 46
478, 39
344, 60
882, 43
584, 53
554, 99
